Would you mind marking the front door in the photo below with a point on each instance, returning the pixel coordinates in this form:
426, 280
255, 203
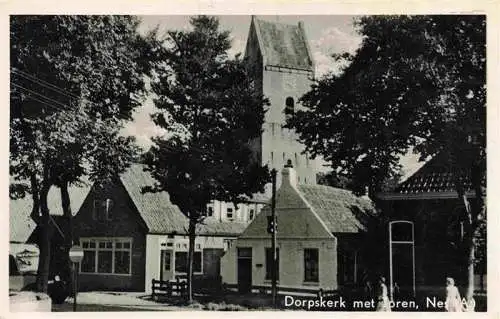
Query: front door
244, 270
166, 265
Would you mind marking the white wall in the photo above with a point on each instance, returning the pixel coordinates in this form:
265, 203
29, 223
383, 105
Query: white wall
152, 260
241, 214
291, 268
179, 243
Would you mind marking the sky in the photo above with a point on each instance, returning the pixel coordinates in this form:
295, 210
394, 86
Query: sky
326, 34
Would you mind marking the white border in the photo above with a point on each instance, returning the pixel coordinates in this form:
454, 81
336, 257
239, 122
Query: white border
155, 7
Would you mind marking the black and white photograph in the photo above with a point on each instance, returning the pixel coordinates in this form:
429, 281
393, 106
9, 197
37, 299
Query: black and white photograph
248, 162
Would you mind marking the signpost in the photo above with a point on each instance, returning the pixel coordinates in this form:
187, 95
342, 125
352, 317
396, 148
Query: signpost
76, 256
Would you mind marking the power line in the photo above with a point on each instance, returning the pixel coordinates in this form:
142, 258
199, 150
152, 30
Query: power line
58, 89
42, 82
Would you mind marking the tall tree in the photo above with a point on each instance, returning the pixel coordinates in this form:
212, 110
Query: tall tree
415, 81
74, 80
214, 100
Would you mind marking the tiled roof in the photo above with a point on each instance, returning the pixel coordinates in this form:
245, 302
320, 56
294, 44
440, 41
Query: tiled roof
218, 228
284, 45
339, 209
21, 225
434, 177
156, 209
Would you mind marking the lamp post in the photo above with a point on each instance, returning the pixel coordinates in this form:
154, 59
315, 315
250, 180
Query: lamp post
76, 256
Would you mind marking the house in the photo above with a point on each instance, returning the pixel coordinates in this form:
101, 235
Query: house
428, 202
130, 236
320, 240
281, 62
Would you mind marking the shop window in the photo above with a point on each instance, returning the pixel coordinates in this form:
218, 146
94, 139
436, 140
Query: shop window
181, 261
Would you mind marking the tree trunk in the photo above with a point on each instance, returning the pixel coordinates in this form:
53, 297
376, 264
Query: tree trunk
473, 213
68, 234
44, 241
192, 238
66, 206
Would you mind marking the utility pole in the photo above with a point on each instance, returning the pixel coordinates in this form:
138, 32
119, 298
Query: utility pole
273, 237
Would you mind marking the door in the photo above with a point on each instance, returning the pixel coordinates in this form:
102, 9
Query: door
166, 265
244, 270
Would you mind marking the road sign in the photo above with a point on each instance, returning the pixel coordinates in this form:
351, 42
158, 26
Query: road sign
76, 254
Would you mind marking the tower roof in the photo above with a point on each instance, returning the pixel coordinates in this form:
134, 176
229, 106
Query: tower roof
283, 45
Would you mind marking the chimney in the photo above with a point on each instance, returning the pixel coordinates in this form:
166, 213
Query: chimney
289, 175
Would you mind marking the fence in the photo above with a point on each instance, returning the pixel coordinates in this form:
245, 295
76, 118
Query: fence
168, 288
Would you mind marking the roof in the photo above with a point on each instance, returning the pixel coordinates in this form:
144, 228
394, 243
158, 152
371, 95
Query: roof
284, 45
214, 227
156, 209
339, 209
434, 177
160, 215
21, 225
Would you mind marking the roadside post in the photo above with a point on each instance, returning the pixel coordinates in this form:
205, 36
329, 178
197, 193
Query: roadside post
274, 230
76, 256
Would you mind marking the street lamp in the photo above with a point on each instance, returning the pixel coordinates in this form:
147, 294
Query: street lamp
76, 256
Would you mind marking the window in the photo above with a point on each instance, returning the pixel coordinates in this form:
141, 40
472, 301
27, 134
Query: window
269, 263
103, 209
272, 158
289, 106
311, 265
296, 160
251, 214
283, 157
229, 213
210, 211
273, 126
181, 261
89, 256
106, 256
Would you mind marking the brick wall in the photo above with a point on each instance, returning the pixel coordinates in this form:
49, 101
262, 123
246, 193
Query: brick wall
125, 222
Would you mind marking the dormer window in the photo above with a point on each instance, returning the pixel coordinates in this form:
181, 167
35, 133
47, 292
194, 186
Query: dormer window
289, 107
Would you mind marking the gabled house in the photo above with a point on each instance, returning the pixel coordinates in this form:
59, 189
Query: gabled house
130, 236
429, 201
319, 240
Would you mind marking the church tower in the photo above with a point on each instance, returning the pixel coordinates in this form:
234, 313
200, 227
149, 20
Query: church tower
280, 59
281, 62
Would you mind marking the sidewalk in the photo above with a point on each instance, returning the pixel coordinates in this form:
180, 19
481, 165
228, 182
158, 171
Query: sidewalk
86, 301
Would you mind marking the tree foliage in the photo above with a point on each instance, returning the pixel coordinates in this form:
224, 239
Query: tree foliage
214, 101
415, 81
74, 80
